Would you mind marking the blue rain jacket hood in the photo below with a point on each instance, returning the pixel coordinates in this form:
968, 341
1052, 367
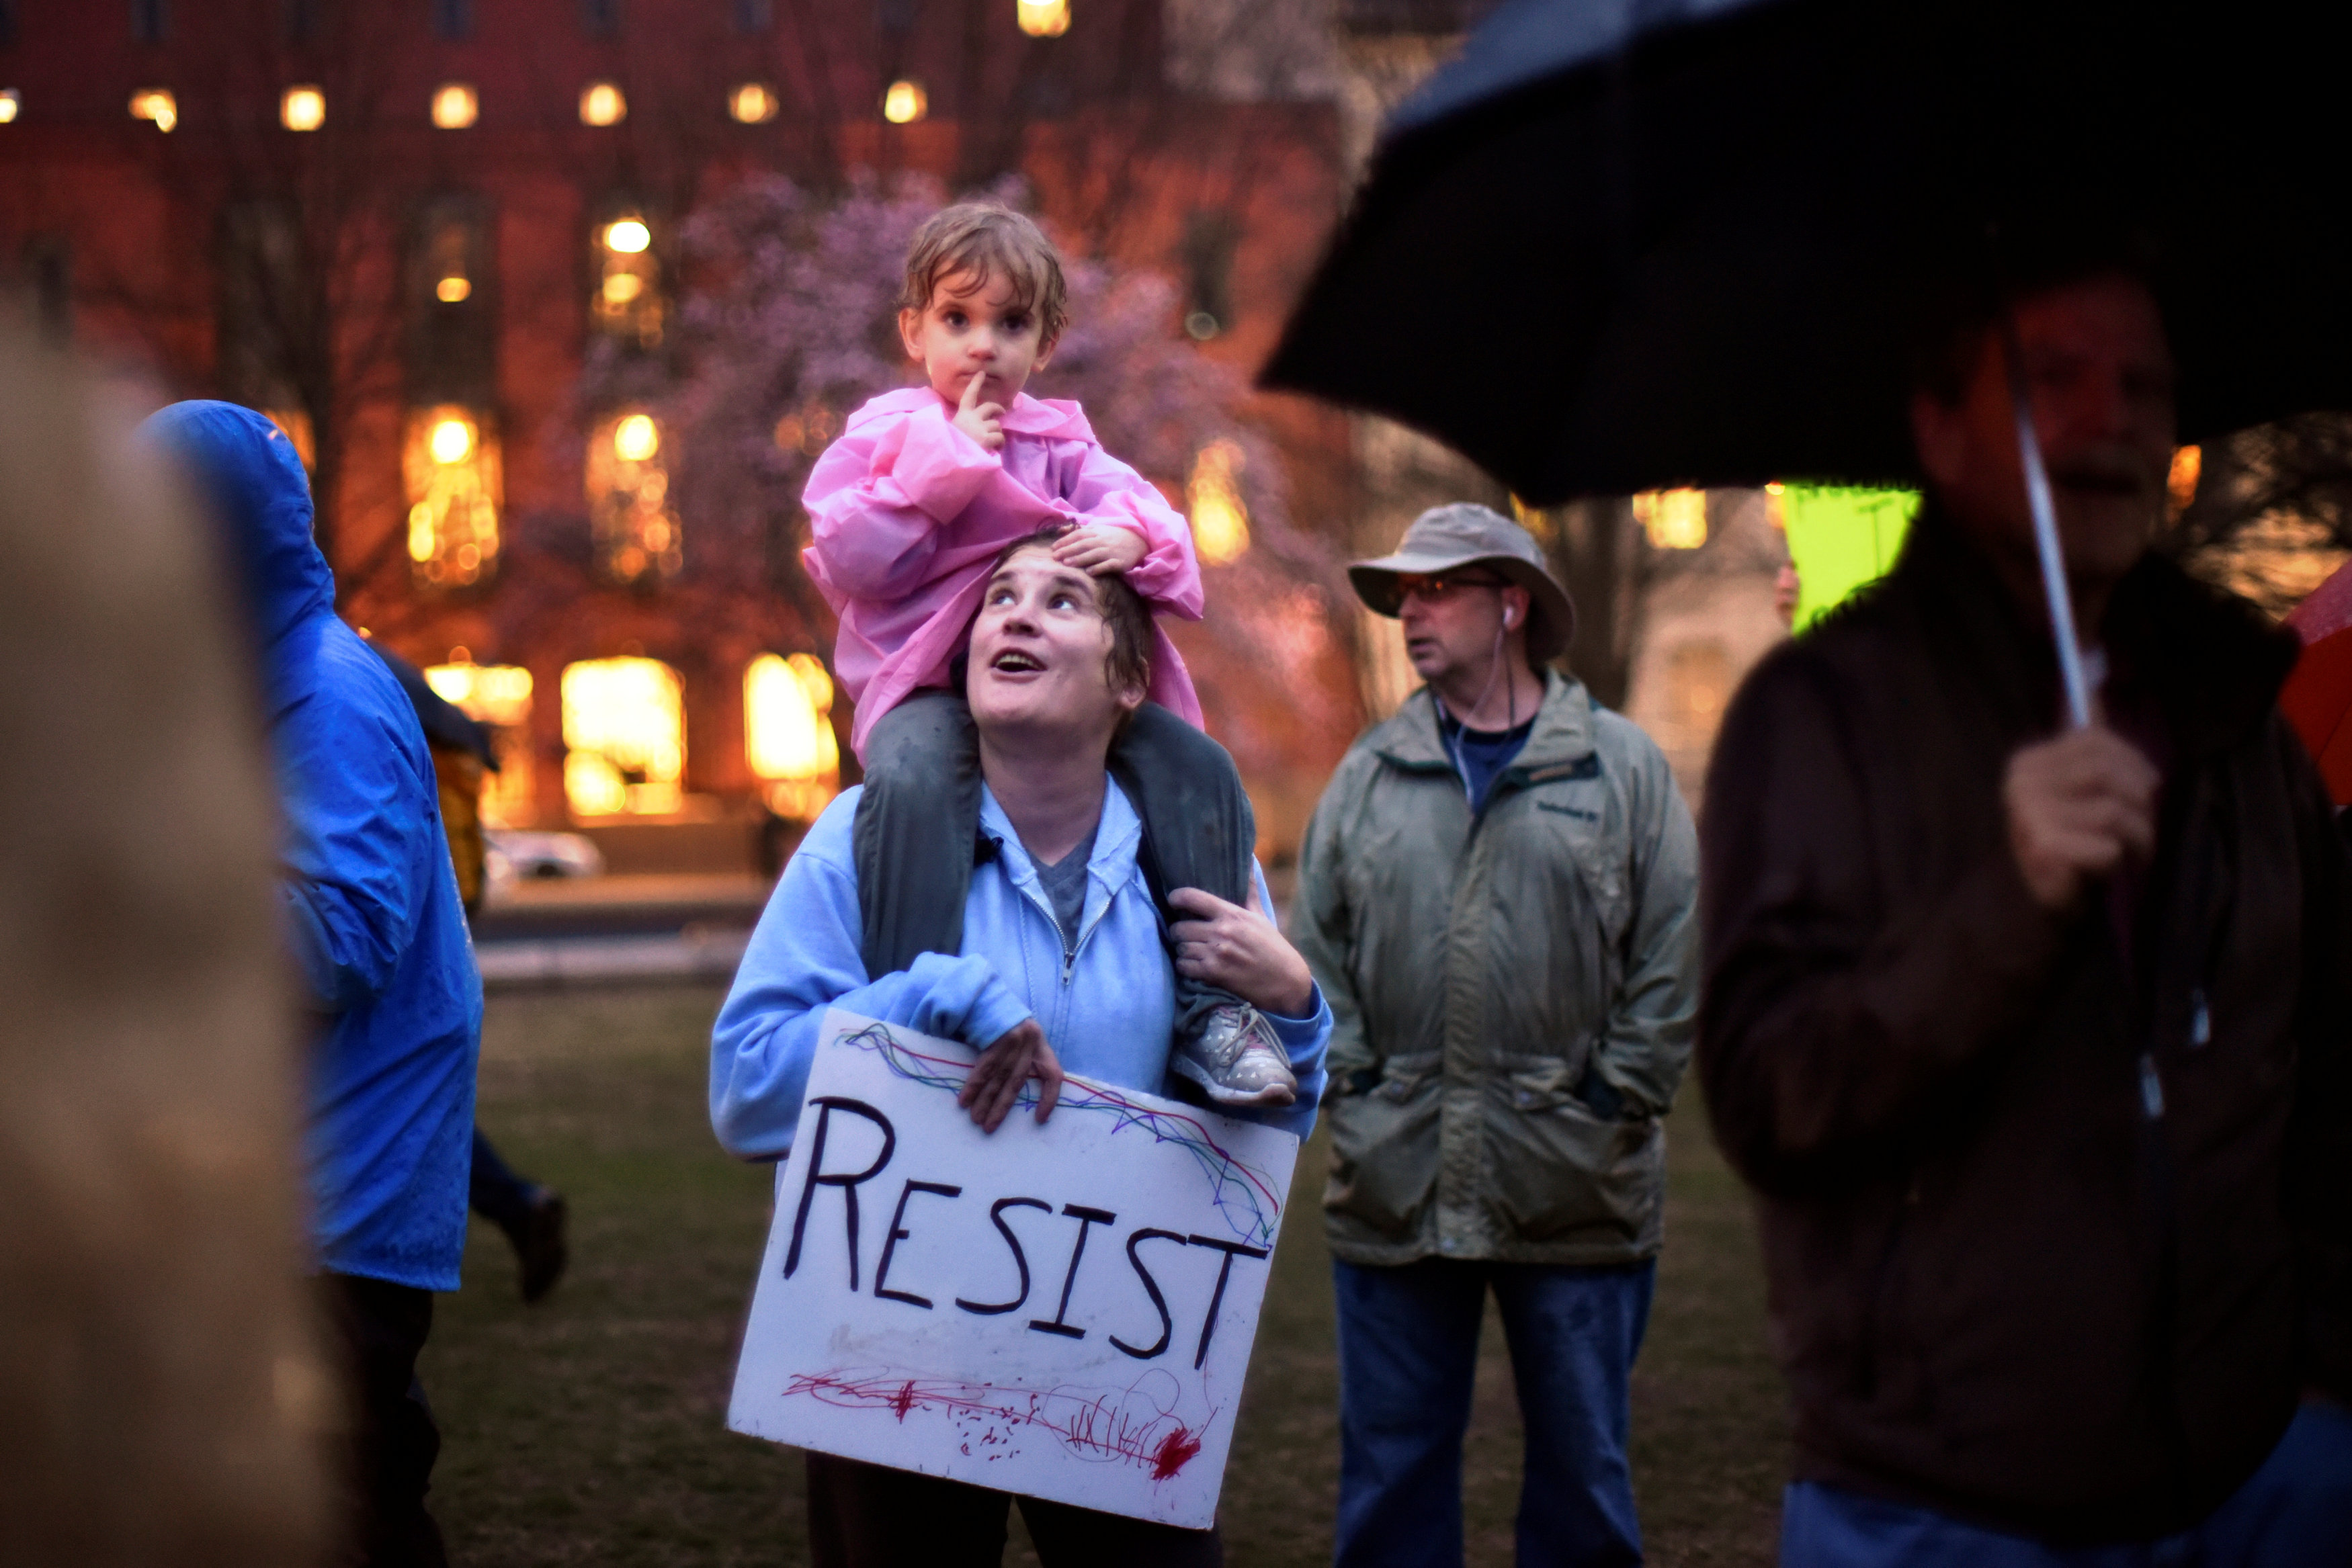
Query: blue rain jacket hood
368, 894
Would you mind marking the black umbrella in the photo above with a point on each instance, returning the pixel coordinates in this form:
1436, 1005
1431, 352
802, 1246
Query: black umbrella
1620, 244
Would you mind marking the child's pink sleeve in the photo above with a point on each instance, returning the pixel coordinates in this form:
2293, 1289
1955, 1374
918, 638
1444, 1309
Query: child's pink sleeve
1106, 491
879, 495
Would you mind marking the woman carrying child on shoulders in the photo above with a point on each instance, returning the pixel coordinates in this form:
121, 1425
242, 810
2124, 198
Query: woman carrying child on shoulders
1059, 961
910, 510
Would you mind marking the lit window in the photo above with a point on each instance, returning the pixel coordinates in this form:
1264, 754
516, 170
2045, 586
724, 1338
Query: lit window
451, 465
1675, 520
302, 109
635, 529
448, 256
1220, 519
156, 106
602, 103
11, 103
1044, 19
296, 423
454, 107
628, 302
623, 737
753, 103
905, 103
498, 695
807, 432
788, 734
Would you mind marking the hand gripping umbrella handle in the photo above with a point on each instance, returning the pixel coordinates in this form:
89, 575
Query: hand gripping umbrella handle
2045, 533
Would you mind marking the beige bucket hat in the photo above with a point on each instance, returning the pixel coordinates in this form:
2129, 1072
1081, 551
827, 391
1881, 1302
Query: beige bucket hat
1467, 534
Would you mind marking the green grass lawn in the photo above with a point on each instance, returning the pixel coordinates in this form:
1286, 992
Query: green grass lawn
590, 1429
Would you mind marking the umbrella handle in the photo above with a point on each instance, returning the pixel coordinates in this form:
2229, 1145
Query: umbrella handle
2045, 533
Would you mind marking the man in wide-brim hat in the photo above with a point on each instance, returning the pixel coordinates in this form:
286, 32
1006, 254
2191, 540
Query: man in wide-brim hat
1499, 894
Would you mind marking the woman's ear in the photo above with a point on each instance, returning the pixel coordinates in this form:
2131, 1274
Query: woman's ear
910, 332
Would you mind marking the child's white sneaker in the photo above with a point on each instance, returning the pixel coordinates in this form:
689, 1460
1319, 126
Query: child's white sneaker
1237, 1059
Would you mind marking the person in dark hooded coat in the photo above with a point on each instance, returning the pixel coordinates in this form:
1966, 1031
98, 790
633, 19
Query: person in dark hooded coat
369, 905
534, 1216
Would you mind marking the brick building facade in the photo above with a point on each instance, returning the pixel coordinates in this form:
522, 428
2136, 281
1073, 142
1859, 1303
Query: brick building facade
401, 228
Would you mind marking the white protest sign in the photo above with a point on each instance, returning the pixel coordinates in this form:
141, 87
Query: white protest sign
1063, 1311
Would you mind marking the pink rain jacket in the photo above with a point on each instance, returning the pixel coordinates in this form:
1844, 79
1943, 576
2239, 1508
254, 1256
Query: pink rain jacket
907, 512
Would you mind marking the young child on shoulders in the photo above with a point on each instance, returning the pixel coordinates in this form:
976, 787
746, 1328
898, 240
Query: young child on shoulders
909, 510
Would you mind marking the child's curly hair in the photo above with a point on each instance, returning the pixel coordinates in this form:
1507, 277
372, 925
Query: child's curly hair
982, 238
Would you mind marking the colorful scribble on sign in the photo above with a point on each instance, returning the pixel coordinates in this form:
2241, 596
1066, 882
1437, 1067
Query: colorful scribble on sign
1063, 1311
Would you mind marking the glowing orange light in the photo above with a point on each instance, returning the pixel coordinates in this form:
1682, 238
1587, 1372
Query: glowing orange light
788, 733
451, 469
753, 103
635, 439
454, 107
1042, 18
624, 731
1675, 520
453, 289
905, 103
602, 103
302, 109
452, 439
1219, 518
2187, 466
156, 106
629, 236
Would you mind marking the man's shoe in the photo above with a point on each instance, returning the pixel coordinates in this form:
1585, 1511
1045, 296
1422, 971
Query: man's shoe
1237, 1059
538, 1243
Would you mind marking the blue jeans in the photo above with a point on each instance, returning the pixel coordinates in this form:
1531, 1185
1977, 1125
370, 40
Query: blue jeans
1408, 1352
2296, 1512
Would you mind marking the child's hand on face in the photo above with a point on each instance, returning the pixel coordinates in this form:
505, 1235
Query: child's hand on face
1099, 550
983, 422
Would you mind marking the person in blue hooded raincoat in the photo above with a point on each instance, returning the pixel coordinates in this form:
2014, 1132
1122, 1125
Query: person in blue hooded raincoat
369, 908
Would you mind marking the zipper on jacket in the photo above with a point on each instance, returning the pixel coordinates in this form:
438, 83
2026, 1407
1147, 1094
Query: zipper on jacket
1070, 950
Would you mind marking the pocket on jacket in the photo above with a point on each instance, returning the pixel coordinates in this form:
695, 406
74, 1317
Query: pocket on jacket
1560, 1168
1384, 1145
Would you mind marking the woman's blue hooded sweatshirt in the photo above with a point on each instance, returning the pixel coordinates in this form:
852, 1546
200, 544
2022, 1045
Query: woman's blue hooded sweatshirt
369, 898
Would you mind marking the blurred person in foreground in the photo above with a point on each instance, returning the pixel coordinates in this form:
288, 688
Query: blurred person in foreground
368, 900
2037, 1043
159, 1371
533, 1216
1499, 895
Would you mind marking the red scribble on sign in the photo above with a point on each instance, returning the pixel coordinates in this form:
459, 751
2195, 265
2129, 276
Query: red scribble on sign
1131, 1425
1179, 1447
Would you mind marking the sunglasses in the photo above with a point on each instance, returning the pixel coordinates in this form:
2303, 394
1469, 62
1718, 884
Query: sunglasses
1443, 586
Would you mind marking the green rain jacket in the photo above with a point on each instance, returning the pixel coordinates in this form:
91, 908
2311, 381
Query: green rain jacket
1515, 992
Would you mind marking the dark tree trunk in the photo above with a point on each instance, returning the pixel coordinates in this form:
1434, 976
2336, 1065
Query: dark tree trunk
1602, 557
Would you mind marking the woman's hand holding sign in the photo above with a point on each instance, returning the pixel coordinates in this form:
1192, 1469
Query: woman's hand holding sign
1019, 1054
1239, 950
